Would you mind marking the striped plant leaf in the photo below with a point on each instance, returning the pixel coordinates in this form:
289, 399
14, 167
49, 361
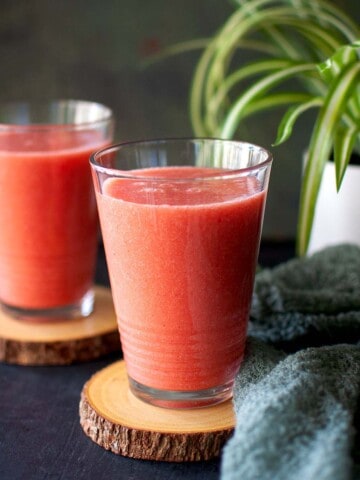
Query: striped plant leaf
320, 147
344, 143
259, 88
287, 122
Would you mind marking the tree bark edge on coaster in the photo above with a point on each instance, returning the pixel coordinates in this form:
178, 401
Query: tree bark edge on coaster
64, 342
117, 421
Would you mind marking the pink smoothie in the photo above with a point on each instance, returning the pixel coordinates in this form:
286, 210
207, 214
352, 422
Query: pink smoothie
182, 257
48, 218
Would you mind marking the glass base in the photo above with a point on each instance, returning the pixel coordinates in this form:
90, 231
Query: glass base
181, 398
83, 308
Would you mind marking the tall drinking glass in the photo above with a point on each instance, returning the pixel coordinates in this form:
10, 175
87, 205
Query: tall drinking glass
48, 215
181, 221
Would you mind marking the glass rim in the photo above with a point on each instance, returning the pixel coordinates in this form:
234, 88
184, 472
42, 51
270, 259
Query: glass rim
227, 173
106, 117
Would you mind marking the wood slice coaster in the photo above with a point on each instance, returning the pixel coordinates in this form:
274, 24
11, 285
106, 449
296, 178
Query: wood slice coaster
61, 342
118, 421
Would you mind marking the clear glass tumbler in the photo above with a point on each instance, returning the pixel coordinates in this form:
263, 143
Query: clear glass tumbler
48, 215
181, 221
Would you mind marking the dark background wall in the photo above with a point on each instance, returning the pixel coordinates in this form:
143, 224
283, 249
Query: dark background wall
95, 50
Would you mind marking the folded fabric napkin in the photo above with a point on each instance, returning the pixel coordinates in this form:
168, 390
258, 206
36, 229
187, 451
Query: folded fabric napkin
297, 395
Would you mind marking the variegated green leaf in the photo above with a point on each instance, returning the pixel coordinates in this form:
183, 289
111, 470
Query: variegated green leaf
287, 122
345, 55
320, 147
344, 142
216, 106
275, 100
258, 89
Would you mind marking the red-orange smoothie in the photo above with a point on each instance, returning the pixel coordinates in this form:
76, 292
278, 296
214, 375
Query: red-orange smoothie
48, 218
182, 259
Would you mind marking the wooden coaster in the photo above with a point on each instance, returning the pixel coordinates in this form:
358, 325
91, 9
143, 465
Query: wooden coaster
61, 342
118, 421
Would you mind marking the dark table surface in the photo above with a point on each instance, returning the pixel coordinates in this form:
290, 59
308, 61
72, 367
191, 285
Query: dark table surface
40, 434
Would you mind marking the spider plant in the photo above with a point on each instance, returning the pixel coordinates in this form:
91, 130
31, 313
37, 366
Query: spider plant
307, 57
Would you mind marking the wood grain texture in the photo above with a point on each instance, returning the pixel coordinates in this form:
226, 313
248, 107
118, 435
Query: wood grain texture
118, 421
61, 342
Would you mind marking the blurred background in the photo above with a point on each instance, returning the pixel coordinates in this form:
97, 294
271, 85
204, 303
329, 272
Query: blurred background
98, 50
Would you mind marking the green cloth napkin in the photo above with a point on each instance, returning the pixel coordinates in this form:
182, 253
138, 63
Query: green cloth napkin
297, 395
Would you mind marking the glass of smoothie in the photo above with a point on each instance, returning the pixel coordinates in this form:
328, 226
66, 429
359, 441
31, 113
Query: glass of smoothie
181, 221
48, 216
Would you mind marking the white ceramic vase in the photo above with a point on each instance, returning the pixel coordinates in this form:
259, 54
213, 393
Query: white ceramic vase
337, 215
